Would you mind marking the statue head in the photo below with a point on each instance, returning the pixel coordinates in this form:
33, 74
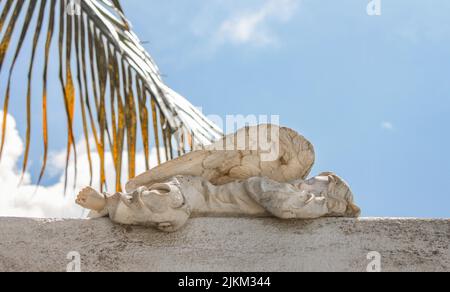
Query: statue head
339, 197
168, 206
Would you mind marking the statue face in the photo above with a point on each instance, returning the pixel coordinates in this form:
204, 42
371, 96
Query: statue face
317, 184
323, 195
310, 206
337, 192
167, 205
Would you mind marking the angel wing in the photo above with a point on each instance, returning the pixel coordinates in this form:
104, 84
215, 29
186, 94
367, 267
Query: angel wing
293, 159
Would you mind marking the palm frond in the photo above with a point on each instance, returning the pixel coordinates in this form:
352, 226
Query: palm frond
99, 55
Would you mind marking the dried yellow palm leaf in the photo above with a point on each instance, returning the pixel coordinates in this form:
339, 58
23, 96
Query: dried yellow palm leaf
110, 60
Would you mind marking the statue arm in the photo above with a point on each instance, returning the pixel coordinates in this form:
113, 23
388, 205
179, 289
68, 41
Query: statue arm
285, 200
324, 195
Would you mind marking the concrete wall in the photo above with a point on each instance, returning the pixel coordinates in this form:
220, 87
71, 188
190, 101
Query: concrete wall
227, 245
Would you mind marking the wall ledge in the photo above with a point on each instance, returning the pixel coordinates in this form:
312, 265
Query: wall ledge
228, 245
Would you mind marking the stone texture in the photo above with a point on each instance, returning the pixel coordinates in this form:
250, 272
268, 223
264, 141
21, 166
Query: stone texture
221, 244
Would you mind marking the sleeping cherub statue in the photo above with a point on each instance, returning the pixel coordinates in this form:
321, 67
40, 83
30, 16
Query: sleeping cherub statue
257, 172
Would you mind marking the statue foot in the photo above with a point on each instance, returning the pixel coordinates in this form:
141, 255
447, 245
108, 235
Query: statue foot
91, 199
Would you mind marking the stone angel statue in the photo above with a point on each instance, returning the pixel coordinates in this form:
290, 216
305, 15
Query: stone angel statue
257, 172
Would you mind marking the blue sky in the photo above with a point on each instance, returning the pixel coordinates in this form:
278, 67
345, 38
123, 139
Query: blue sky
371, 92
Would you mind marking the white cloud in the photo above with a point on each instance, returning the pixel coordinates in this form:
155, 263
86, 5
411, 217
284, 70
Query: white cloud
253, 27
387, 126
28, 200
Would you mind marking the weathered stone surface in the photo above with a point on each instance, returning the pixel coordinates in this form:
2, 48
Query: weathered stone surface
220, 244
